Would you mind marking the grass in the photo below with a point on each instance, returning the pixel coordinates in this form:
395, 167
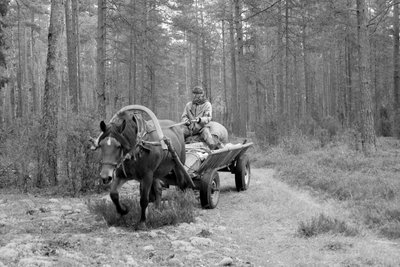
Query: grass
325, 224
368, 186
177, 207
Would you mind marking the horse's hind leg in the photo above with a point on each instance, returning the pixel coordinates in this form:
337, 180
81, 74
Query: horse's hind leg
115, 186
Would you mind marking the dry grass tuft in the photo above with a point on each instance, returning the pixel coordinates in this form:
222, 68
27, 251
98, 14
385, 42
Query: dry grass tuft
324, 224
178, 207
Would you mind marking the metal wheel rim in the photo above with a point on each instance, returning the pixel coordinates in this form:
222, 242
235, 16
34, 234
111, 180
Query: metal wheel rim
214, 191
247, 174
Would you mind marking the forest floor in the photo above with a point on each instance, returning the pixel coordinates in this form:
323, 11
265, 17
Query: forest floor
257, 227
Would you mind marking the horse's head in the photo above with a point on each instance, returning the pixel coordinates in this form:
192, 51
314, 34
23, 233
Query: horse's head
115, 142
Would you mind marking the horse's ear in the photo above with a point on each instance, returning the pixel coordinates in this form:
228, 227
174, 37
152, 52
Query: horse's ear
103, 126
122, 127
134, 119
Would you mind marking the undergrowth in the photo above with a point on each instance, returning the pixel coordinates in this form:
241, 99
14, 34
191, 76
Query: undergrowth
368, 185
177, 207
21, 147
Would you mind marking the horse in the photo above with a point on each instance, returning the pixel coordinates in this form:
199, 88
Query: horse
133, 151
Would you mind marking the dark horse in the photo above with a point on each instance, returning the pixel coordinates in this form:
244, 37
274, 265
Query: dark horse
129, 151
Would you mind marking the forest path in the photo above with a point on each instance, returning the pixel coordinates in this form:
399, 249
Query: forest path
257, 227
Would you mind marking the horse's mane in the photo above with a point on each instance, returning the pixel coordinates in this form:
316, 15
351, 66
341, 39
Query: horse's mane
126, 136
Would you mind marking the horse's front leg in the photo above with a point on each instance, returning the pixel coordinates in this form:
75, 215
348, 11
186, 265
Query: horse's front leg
157, 192
144, 198
115, 186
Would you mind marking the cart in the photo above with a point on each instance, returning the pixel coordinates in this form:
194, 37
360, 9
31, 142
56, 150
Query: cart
203, 166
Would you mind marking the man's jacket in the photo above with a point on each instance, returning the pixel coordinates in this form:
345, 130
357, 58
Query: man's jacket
193, 111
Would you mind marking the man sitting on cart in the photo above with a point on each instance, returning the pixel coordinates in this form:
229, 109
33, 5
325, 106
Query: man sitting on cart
196, 115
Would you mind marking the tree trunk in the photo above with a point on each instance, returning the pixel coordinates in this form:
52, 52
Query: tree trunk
286, 92
32, 68
71, 55
19, 71
368, 138
132, 60
49, 123
190, 69
204, 57
2, 97
24, 93
299, 107
307, 78
75, 26
186, 66
196, 79
234, 96
130, 89
279, 74
243, 92
227, 103
349, 84
101, 54
396, 73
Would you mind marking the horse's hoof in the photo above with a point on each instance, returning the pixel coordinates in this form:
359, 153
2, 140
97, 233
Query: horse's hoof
142, 226
124, 210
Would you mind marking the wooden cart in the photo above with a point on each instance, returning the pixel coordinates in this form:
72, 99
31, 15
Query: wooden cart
203, 166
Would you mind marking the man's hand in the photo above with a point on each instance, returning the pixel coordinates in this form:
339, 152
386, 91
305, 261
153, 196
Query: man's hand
198, 120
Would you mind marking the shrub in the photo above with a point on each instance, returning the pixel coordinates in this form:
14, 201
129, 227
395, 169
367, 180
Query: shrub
391, 230
296, 143
18, 153
79, 166
267, 132
308, 126
352, 138
331, 125
385, 125
323, 136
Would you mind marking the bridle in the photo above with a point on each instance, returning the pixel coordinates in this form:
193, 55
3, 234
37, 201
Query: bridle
118, 164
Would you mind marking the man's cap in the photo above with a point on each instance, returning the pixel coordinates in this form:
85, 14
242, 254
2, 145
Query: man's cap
197, 90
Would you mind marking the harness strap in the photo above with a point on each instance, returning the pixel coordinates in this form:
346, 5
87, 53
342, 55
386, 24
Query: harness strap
122, 163
143, 129
152, 143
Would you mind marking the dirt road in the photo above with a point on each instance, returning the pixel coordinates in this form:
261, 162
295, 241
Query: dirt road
257, 227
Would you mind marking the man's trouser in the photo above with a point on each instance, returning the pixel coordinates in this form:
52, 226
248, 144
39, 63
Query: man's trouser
204, 133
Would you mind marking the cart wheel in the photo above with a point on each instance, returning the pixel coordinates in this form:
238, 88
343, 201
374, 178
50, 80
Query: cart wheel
209, 189
242, 173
